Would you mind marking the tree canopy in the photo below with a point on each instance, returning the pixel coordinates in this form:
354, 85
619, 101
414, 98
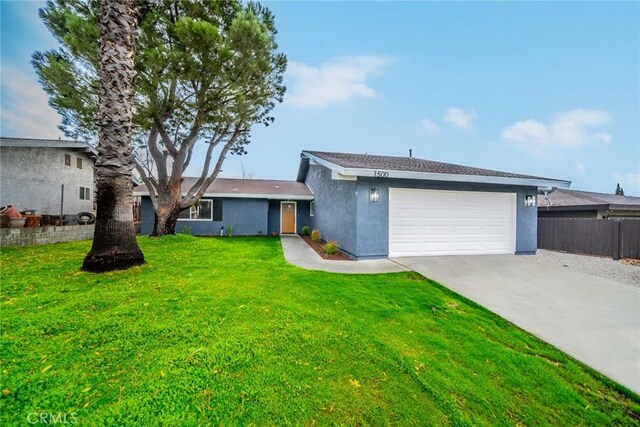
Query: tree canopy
206, 71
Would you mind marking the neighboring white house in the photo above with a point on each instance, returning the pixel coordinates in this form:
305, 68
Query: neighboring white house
33, 173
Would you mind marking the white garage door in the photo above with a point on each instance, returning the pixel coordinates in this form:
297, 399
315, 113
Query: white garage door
436, 222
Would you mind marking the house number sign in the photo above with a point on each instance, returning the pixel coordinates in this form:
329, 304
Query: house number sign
381, 174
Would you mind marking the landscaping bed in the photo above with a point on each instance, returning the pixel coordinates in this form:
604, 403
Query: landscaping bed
226, 332
319, 248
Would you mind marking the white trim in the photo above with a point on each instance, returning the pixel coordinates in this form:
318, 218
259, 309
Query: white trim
242, 196
295, 215
337, 176
312, 209
210, 219
430, 176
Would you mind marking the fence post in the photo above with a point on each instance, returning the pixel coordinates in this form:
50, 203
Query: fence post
616, 240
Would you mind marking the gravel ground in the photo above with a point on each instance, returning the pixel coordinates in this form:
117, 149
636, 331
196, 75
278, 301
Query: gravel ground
597, 266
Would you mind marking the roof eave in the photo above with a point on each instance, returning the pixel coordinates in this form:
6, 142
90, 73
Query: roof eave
429, 176
573, 208
245, 196
624, 207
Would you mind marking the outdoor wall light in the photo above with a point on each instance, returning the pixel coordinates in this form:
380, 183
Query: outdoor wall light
529, 200
374, 195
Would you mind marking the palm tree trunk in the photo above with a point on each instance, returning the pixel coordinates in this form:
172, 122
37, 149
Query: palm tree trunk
114, 240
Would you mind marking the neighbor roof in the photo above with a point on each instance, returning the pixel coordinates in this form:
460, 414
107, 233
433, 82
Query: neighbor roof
564, 199
46, 143
411, 167
246, 188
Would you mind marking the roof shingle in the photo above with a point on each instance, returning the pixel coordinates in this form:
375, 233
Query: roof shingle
242, 187
409, 164
563, 197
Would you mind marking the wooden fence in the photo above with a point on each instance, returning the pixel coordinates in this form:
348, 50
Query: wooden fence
617, 238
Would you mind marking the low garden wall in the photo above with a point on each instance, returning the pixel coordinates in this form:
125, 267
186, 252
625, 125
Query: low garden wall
26, 236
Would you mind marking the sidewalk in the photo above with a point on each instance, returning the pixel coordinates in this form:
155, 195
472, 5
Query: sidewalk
298, 253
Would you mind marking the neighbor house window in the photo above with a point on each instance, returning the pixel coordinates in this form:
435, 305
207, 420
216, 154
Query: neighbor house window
312, 209
85, 193
200, 211
79, 163
67, 159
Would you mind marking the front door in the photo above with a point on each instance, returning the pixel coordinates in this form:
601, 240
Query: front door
288, 217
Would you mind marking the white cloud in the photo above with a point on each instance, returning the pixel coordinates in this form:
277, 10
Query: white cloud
25, 109
460, 118
336, 81
603, 137
568, 130
629, 179
429, 126
581, 167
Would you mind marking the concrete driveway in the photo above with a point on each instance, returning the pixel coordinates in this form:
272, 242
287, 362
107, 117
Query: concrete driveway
595, 320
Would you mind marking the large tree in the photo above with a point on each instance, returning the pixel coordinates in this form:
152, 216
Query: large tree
206, 72
114, 241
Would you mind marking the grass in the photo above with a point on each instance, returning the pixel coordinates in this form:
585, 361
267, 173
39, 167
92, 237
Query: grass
224, 331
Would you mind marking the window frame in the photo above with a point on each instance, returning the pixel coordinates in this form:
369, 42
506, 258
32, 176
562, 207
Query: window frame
191, 211
312, 208
79, 163
67, 157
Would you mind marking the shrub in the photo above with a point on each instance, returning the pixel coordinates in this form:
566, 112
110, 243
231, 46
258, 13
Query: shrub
331, 247
230, 231
316, 236
305, 230
186, 230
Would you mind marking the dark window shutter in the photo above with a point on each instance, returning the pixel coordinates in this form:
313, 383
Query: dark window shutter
216, 206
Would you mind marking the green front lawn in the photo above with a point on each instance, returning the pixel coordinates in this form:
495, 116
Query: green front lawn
224, 331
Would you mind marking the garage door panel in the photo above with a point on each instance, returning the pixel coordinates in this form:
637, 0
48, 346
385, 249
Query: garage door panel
436, 222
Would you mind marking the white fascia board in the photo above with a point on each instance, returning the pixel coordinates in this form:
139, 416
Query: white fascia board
337, 176
242, 196
429, 176
258, 196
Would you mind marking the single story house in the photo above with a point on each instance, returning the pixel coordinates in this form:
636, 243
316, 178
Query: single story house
380, 206
250, 206
565, 203
47, 175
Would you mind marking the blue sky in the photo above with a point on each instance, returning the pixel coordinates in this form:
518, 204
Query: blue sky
549, 89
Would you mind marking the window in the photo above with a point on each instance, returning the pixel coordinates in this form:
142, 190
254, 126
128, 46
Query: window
67, 159
85, 193
312, 208
204, 210
79, 163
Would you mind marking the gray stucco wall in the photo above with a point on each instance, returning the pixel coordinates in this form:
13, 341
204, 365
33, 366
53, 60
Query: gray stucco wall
31, 179
336, 208
344, 201
248, 217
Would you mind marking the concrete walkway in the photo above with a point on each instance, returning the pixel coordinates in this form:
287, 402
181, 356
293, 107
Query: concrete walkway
297, 252
593, 319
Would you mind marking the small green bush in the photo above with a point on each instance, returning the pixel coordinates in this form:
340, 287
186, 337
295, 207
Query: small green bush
186, 230
331, 247
305, 230
316, 236
230, 231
